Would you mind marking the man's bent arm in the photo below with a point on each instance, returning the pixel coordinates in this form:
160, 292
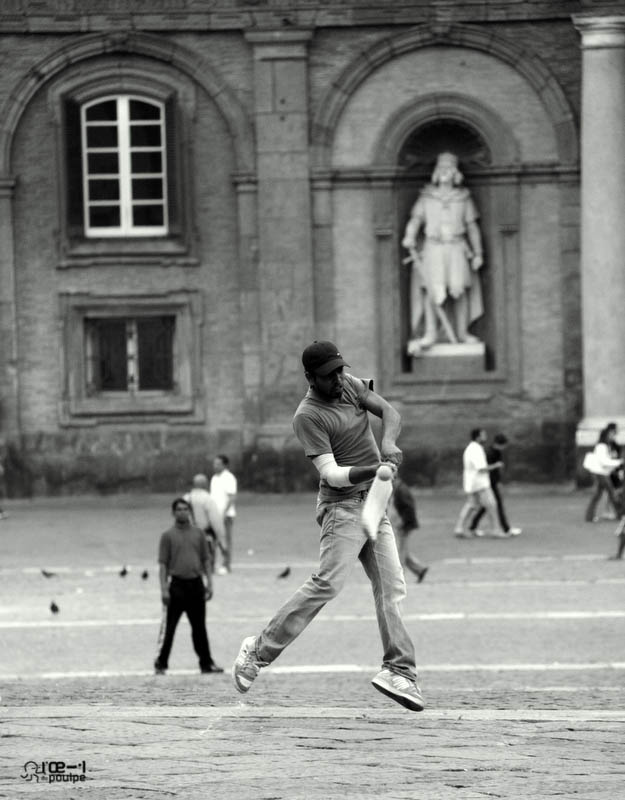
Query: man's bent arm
391, 426
342, 476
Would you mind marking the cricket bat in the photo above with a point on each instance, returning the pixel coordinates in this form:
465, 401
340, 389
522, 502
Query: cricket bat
376, 501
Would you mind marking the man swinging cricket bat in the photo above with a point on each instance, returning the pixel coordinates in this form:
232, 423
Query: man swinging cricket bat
332, 424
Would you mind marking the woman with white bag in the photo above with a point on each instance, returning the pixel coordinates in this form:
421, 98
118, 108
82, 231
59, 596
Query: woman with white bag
601, 464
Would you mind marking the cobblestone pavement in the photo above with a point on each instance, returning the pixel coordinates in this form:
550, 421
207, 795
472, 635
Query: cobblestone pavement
520, 647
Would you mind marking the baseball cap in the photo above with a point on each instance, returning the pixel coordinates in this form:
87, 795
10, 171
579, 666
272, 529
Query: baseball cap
322, 358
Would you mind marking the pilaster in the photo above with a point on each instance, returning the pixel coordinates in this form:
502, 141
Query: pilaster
602, 229
285, 257
9, 378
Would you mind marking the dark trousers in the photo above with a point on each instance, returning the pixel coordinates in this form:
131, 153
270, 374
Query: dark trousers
501, 512
602, 484
185, 596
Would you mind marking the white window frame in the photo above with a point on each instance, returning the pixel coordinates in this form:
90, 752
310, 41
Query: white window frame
124, 152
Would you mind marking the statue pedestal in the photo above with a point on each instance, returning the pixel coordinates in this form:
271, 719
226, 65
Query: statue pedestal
450, 361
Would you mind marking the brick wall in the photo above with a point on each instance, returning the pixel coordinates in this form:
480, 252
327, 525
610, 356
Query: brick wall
47, 456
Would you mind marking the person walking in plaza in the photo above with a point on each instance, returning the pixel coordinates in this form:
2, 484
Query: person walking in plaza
186, 585
223, 490
333, 426
403, 503
476, 484
206, 515
494, 456
601, 464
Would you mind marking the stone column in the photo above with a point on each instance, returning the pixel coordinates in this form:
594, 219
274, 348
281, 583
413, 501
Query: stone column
9, 378
285, 260
603, 230
250, 310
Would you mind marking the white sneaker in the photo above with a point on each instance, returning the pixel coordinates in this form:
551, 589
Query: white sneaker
223, 571
515, 531
246, 666
400, 689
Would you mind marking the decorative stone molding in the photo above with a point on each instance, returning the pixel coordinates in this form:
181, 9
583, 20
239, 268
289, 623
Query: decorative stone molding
501, 140
135, 43
7, 187
529, 65
600, 32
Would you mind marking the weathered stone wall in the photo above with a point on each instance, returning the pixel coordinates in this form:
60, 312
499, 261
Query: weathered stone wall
261, 288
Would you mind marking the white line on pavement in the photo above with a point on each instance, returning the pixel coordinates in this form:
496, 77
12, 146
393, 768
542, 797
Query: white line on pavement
269, 565
333, 669
442, 616
242, 709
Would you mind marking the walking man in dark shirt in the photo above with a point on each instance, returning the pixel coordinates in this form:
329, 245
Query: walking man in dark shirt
186, 585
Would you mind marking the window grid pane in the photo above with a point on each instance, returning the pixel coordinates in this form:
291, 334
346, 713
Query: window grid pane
124, 167
106, 354
130, 355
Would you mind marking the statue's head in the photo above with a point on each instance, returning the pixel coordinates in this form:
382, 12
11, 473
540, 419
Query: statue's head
446, 170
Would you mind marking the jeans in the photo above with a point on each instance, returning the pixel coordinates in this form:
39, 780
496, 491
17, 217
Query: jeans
342, 540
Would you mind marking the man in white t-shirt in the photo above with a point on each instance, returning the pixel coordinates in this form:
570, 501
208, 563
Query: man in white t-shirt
476, 485
223, 490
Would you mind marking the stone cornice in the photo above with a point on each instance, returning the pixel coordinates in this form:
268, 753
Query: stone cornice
600, 32
90, 16
7, 186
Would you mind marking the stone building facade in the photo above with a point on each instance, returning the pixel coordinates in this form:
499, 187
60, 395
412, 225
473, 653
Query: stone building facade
193, 190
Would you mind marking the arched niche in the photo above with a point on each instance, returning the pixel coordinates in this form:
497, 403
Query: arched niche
489, 159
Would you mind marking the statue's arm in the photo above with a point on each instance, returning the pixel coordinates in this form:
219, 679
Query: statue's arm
473, 233
412, 228
475, 240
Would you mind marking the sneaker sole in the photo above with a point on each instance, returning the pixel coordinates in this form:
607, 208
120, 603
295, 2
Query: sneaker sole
241, 689
404, 700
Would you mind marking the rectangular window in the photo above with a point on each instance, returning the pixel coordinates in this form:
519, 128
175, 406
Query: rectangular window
130, 355
124, 167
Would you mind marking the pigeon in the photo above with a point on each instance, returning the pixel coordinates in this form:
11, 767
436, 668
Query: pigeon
285, 573
47, 574
54, 608
145, 575
123, 572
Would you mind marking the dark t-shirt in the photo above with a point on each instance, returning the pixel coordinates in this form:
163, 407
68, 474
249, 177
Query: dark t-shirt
493, 455
183, 550
339, 427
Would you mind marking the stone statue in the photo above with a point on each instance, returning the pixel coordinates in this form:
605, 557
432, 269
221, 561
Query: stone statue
445, 265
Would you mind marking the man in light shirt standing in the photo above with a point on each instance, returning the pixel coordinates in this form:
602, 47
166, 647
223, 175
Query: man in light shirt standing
223, 490
476, 484
206, 515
